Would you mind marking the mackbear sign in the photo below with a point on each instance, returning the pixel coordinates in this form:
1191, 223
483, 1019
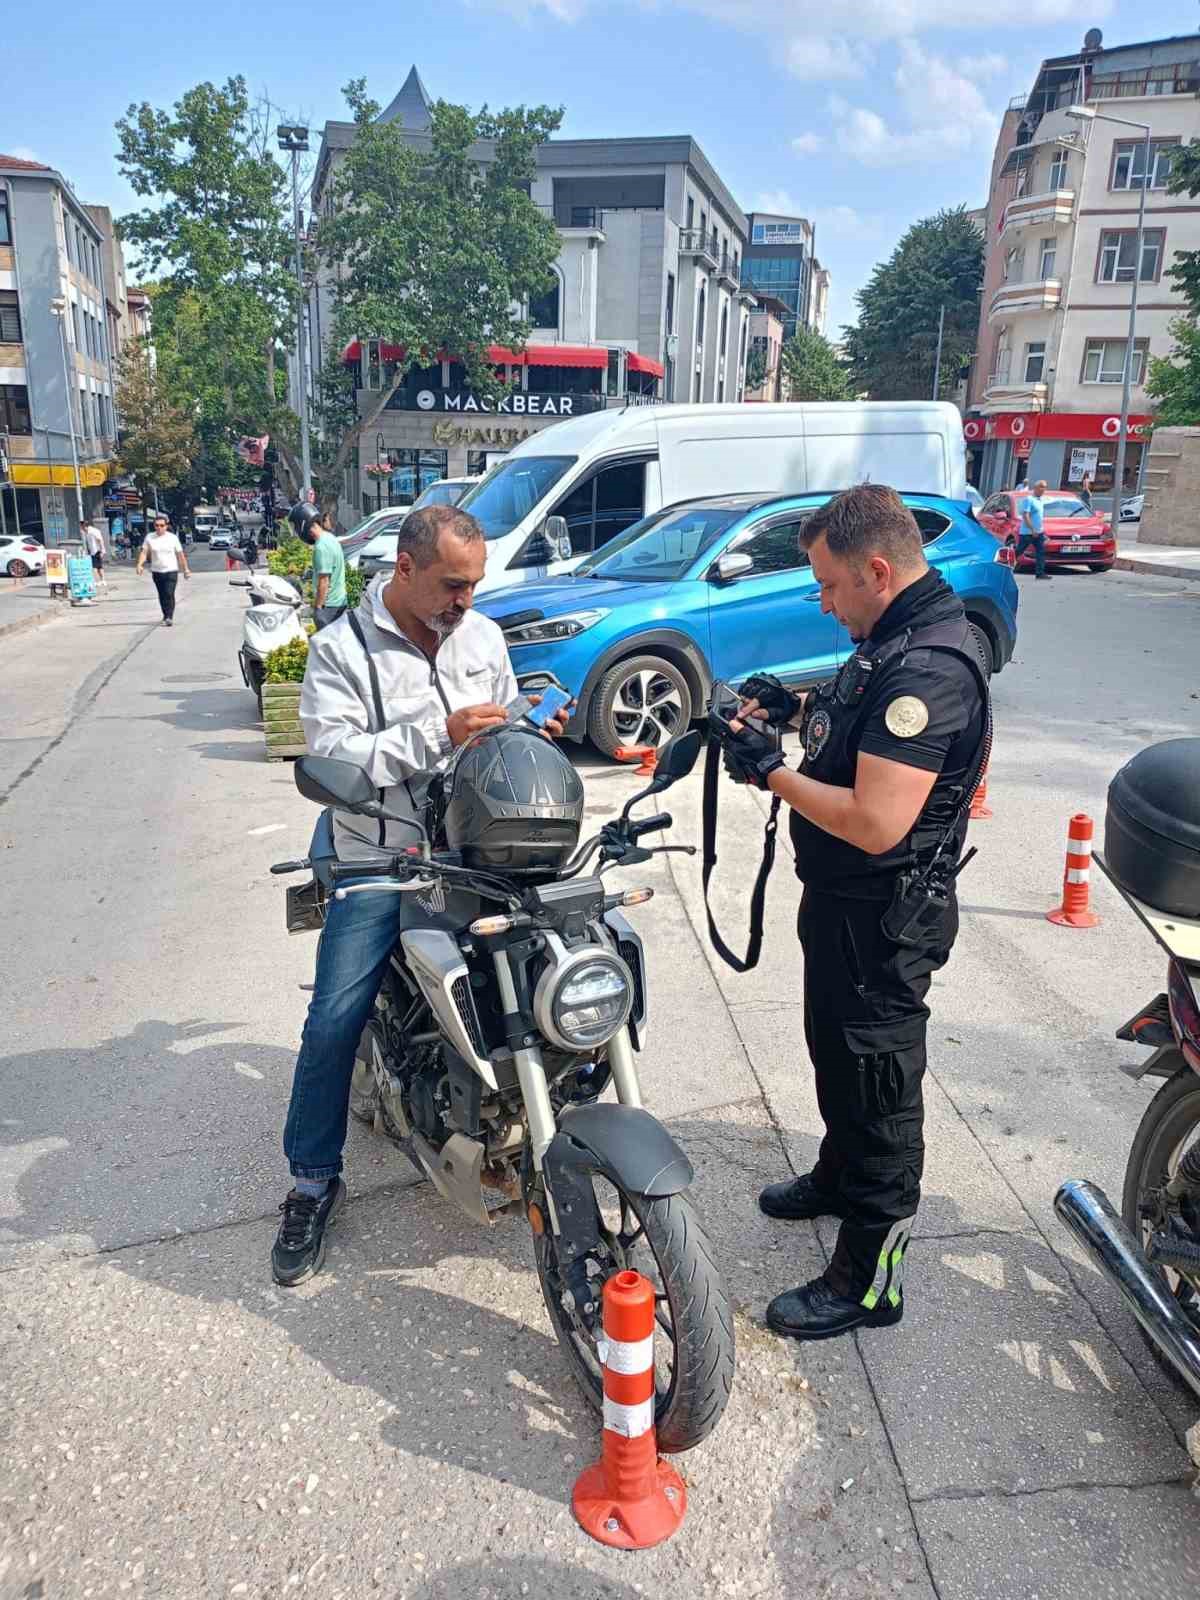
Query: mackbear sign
518, 403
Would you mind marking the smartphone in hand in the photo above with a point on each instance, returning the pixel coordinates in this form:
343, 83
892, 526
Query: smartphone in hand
553, 700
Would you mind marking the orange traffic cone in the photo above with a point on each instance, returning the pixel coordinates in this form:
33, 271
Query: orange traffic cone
1075, 911
980, 810
630, 1498
646, 754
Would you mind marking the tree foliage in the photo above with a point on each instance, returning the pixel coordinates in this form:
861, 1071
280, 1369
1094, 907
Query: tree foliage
811, 370
215, 236
891, 350
756, 370
158, 441
432, 250
1174, 381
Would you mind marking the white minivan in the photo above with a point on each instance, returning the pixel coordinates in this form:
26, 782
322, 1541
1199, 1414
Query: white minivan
602, 472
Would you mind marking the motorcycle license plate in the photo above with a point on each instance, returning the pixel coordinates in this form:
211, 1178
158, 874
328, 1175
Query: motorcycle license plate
1076, 549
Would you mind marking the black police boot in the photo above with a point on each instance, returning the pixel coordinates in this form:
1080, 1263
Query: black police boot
299, 1252
814, 1311
799, 1200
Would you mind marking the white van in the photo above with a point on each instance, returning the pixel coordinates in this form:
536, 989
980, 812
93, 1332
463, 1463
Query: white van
604, 471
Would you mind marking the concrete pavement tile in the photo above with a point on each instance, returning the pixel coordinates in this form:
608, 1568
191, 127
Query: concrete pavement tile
1075, 1544
175, 1420
1000, 1378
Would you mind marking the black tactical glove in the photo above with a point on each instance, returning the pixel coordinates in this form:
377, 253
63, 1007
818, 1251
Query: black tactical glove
751, 756
777, 703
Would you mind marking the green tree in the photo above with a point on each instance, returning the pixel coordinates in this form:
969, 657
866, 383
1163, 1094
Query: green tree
756, 369
891, 350
1174, 381
811, 370
215, 237
432, 249
158, 439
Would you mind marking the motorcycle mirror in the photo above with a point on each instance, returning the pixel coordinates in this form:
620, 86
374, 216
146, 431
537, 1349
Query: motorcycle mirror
678, 756
336, 783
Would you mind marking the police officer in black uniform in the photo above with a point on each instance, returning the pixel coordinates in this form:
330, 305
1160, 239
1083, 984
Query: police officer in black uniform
893, 749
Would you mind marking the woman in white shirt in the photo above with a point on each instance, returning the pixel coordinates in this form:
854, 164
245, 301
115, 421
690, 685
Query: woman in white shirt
165, 555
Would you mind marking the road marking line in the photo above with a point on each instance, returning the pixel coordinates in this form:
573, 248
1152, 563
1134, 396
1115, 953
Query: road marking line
271, 827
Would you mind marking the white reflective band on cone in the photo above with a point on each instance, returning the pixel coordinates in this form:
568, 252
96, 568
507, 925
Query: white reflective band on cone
1079, 874
1078, 847
631, 1421
618, 1355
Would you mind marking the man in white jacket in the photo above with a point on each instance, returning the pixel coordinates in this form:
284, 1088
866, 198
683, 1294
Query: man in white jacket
394, 687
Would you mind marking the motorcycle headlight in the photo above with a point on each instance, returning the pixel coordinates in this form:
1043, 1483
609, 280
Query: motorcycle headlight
548, 629
584, 999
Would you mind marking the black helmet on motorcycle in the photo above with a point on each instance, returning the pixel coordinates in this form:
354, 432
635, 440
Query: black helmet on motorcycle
513, 802
305, 520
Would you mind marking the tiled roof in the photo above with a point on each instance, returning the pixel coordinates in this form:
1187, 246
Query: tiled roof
28, 166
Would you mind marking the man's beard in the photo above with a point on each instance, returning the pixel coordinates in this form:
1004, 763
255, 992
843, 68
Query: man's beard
443, 623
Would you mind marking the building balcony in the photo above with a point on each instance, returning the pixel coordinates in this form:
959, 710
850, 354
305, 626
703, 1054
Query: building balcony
1054, 209
1011, 299
1005, 393
698, 245
727, 273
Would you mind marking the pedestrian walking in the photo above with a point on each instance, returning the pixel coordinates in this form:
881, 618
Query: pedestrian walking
93, 544
328, 562
1033, 527
167, 560
1085, 491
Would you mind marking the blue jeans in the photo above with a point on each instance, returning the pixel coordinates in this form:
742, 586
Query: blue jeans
356, 941
1038, 541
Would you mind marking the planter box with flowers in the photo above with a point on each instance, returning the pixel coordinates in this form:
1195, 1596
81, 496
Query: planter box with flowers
281, 700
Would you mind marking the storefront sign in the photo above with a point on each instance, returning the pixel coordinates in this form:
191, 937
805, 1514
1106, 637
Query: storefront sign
517, 403
1084, 460
56, 567
446, 433
81, 577
1066, 425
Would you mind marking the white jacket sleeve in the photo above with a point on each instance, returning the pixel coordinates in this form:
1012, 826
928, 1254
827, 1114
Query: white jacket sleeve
337, 723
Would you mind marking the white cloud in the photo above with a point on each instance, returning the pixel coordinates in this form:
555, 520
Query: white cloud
807, 144
22, 152
943, 112
843, 223
815, 59
980, 68
776, 203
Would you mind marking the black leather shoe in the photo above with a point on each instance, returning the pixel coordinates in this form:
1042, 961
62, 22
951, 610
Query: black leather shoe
799, 1200
299, 1252
814, 1312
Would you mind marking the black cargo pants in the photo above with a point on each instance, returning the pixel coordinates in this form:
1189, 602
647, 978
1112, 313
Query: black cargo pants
864, 1021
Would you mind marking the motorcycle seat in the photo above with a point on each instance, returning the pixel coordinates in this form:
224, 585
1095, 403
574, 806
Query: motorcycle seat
322, 853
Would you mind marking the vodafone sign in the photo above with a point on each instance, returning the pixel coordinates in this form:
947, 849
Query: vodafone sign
1074, 425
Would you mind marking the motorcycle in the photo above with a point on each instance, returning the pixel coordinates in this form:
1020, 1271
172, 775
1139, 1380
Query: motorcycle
504, 1015
1151, 1252
273, 617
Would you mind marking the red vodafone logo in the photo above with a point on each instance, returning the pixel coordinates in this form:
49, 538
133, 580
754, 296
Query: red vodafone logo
1110, 427
972, 430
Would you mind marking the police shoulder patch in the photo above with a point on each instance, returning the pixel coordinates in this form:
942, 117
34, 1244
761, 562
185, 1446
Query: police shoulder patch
906, 716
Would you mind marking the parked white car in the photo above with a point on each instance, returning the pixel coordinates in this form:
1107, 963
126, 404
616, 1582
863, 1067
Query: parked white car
1131, 507
20, 555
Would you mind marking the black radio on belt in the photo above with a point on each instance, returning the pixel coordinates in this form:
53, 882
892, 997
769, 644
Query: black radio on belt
920, 901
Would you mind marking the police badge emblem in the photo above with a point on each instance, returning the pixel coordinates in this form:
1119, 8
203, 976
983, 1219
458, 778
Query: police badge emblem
820, 726
906, 716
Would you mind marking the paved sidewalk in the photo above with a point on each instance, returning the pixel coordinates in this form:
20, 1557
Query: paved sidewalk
26, 606
1158, 560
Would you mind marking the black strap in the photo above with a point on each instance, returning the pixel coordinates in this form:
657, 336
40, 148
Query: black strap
712, 772
377, 697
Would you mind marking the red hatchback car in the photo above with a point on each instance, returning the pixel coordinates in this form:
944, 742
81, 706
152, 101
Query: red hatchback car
1075, 535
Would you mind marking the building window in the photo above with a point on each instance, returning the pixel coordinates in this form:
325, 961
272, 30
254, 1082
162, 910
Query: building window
1035, 361
412, 473
670, 302
10, 317
14, 408
5, 224
1014, 264
1171, 77
704, 227
1048, 255
1118, 252
691, 213
1129, 164
544, 309
1058, 171
75, 325
1104, 360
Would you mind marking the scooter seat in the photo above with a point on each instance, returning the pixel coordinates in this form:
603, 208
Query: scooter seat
322, 853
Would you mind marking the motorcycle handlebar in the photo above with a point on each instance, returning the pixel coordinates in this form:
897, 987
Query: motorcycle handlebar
655, 824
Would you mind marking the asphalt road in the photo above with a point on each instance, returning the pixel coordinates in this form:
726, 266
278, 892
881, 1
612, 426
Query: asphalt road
174, 1425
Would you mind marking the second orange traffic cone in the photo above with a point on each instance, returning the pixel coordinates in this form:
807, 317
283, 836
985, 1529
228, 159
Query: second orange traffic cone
1075, 911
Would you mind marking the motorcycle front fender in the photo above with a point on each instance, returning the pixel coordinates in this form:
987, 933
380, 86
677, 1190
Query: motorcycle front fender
625, 1143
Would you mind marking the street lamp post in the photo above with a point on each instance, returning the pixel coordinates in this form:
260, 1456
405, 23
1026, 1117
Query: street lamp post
294, 140
1087, 114
59, 307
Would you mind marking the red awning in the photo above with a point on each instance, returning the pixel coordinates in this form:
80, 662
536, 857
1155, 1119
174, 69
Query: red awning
636, 363
565, 355
496, 354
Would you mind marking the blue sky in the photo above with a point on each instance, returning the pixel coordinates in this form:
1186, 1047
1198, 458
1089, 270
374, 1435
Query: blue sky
863, 123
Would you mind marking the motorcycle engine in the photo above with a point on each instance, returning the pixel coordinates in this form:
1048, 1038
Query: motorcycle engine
427, 1097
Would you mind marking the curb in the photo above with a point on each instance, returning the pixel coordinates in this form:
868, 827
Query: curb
1156, 569
7, 629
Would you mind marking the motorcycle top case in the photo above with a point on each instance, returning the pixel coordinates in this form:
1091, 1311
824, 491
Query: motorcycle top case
1152, 827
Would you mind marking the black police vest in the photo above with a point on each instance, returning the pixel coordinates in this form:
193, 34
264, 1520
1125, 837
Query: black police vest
830, 731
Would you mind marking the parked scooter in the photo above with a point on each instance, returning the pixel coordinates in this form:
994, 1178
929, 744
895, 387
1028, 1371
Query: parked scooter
1152, 1251
274, 616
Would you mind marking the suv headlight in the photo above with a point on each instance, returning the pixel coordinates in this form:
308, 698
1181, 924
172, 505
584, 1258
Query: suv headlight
580, 1002
549, 629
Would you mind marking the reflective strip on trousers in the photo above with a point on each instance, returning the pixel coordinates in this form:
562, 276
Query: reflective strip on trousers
890, 1265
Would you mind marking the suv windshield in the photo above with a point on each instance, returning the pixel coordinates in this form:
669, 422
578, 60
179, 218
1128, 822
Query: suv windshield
511, 490
661, 548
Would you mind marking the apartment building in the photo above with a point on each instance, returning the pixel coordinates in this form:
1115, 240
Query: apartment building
56, 382
767, 339
1044, 398
647, 306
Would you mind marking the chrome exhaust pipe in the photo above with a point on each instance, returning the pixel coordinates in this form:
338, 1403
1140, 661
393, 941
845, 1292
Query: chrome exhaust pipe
1089, 1214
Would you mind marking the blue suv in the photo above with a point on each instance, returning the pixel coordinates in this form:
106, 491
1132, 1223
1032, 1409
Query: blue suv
718, 588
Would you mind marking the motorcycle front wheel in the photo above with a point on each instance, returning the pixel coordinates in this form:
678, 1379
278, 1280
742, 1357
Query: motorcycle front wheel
693, 1339
1170, 1126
